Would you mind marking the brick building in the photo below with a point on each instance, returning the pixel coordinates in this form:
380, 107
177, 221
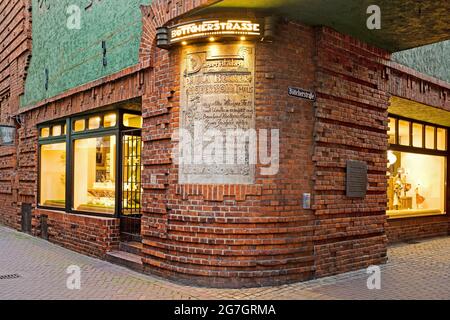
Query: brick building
100, 93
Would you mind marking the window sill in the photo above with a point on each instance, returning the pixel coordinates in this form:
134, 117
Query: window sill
413, 213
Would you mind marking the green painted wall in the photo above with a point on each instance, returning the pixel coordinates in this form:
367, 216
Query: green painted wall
433, 59
75, 57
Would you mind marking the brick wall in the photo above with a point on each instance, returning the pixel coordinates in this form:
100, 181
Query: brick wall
15, 45
93, 236
234, 235
351, 113
399, 230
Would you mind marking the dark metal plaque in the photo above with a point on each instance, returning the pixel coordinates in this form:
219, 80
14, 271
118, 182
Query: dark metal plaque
356, 179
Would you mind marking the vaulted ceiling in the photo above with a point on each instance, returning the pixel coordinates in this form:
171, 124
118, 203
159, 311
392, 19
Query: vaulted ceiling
404, 23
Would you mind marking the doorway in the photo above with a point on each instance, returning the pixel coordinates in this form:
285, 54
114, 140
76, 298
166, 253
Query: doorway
130, 216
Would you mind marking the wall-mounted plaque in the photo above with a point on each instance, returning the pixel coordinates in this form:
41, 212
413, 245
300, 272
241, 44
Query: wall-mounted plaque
301, 93
356, 179
7, 135
217, 113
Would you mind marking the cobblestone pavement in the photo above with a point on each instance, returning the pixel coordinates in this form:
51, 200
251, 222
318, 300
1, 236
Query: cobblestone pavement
414, 271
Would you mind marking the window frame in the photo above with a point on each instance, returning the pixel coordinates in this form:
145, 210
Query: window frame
426, 151
69, 138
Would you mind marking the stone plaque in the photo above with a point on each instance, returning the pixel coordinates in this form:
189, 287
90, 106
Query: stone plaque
356, 179
217, 114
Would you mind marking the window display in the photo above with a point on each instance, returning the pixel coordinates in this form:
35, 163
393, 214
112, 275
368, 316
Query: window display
416, 183
53, 175
91, 148
94, 174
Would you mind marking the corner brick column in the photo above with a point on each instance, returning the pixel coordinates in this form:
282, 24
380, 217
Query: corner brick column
351, 124
233, 235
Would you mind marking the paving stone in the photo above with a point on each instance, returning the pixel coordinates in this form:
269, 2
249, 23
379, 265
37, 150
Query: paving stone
414, 271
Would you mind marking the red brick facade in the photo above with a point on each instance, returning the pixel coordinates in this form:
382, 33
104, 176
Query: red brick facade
237, 235
351, 112
15, 45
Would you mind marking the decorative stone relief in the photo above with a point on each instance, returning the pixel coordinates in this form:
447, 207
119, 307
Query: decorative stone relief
217, 114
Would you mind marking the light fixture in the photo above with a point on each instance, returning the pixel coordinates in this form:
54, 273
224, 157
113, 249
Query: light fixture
184, 43
212, 39
392, 158
243, 38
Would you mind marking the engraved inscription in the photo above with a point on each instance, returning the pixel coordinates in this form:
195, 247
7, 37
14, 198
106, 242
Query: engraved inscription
217, 100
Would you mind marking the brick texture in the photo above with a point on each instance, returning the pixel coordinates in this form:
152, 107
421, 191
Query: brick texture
93, 236
351, 113
15, 45
235, 235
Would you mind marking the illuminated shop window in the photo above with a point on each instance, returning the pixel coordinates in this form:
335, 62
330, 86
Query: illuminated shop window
403, 132
44, 132
429, 137
417, 135
99, 146
56, 131
95, 175
53, 175
392, 130
79, 125
441, 139
94, 123
132, 120
416, 184
417, 169
110, 120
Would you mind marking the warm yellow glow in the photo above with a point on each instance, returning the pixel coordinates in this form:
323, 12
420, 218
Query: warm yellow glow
110, 120
45, 132
94, 174
79, 125
416, 183
441, 139
94, 123
132, 120
243, 38
184, 43
53, 175
391, 132
56, 131
403, 132
212, 39
212, 28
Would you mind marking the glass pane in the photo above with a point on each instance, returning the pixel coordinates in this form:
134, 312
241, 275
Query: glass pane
441, 139
65, 129
95, 175
53, 175
110, 120
132, 189
391, 132
56, 131
132, 120
79, 125
416, 183
403, 132
94, 123
429, 137
45, 132
417, 135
